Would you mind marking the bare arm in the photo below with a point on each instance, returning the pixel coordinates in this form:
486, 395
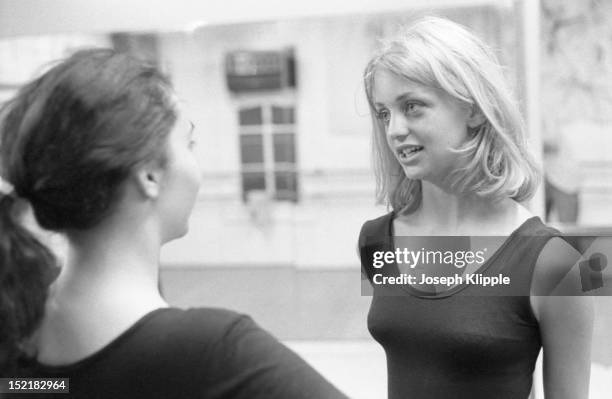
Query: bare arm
566, 322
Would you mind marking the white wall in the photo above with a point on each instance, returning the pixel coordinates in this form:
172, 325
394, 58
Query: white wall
332, 140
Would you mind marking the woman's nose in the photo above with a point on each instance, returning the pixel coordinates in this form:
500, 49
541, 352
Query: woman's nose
398, 127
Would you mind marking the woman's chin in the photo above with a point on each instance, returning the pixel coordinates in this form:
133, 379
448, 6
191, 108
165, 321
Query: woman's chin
183, 231
176, 234
414, 173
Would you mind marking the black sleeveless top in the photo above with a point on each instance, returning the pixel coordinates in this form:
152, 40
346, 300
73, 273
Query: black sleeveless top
472, 342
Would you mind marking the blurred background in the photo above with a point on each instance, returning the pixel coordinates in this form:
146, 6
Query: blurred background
275, 91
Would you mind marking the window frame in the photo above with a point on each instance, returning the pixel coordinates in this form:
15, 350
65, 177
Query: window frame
268, 130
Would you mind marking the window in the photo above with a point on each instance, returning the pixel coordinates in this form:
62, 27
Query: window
267, 151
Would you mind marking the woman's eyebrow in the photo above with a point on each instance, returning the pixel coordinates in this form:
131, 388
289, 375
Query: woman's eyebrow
406, 96
402, 97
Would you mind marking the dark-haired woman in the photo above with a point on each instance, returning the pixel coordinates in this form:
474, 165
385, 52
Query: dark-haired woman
99, 150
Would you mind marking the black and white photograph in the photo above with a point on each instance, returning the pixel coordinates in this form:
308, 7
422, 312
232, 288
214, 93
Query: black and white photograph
333, 199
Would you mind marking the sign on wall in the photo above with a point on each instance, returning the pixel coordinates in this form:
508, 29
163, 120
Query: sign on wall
249, 71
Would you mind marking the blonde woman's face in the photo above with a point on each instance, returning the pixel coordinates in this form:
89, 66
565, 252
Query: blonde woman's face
422, 125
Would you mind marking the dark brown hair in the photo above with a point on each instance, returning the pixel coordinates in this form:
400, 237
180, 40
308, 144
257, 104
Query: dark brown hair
67, 141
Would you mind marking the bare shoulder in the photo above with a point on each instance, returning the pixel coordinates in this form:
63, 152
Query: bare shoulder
556, 260
556, 280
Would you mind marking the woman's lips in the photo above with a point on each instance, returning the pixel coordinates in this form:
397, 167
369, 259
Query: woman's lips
407, 152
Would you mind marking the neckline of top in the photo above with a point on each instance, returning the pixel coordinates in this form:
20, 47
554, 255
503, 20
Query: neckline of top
453, 290
105, 349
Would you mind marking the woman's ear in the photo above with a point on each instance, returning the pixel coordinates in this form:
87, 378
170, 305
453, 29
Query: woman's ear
476, 117
148, 179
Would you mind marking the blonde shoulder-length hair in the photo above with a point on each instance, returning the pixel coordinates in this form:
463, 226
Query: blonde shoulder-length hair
441, 54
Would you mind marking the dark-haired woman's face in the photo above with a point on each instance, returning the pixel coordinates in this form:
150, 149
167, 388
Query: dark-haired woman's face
181, 181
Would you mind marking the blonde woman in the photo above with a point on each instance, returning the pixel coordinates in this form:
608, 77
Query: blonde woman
451, 160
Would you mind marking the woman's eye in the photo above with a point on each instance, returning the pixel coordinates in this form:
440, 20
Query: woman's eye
383, 115
410, 107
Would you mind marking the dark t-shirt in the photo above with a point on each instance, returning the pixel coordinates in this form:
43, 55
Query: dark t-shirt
472, 342
194, 353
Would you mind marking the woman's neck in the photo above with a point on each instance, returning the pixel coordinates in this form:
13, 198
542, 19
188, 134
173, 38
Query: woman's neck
454, 213
115, 262
109, 282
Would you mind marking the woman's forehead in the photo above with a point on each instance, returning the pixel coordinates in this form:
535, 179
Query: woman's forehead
389, 86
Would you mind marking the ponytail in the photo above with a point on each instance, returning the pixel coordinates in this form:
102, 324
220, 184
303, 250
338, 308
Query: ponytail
26, 269
68, 140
